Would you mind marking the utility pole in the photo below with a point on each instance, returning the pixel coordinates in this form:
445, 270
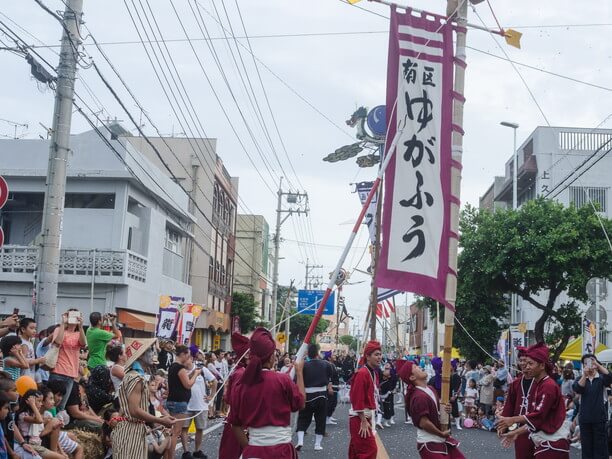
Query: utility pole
308, 278
375, 255
59, 148
301, 201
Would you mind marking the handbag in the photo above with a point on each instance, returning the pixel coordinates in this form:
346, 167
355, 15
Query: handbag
51, 357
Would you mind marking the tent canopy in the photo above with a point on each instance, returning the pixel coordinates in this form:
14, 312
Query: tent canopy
573, 351
454, 353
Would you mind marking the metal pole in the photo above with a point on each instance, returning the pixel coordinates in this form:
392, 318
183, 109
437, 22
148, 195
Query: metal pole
93, 281
306, 278
597, 330
276, 249
59, 148
288, 319
457, 151
515, 175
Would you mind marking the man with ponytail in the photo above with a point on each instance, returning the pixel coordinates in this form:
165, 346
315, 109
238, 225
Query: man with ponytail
423, 407
363, 396
262, 402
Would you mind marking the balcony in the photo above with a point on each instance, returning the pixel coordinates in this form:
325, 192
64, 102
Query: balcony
526, 176
19, 263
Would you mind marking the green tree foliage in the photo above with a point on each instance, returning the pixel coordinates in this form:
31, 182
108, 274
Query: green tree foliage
538, 252
300, 325
348, 340
245, 307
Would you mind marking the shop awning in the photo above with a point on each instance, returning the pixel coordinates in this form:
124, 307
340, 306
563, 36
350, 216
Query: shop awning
573, 351
137, 321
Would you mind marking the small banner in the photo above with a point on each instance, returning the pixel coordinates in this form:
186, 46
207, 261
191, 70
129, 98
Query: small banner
417, 198
363, 190
589, 337
176, 319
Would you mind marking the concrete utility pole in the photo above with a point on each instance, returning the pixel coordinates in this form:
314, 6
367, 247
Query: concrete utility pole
59, 148
308, 277
292, 198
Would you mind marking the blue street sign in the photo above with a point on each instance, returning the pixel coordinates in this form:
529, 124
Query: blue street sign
308, 298
377, 120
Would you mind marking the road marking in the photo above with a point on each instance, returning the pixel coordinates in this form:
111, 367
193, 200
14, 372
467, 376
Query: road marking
382, 452
204, 432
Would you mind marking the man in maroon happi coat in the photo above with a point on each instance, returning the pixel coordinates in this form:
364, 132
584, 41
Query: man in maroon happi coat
423, 407
262, 403
229, 448
516, 405
363, 395
545, 417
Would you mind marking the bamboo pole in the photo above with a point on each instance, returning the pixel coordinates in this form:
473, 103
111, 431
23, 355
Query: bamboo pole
457, 151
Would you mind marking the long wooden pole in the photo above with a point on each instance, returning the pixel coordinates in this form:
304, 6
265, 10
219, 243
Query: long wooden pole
375, 257
457, 153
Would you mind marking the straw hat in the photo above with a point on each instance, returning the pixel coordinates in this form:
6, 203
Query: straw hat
135, 347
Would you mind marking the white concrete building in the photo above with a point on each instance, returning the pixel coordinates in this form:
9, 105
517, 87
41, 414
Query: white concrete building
571, 165
125, 230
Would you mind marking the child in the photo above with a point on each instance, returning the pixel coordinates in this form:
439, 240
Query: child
109, 416
14, 360
4, 410
63, 442
386, 391
158, 443
471, 394
484, 421
31, 425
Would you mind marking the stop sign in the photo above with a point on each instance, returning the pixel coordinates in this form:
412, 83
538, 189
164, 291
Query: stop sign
4, 191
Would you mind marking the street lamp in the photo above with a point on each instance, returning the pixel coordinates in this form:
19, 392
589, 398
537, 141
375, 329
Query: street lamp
514, 126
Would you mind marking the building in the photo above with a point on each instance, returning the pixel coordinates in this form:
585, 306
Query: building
214, 196
570, 165
126, 230
251, 273
422, 330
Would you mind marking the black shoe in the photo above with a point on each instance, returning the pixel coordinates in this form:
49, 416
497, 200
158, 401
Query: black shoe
187, 455
200, 455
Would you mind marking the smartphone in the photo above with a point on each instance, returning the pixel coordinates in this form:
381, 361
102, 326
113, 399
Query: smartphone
15, 311
72, 317
588, 363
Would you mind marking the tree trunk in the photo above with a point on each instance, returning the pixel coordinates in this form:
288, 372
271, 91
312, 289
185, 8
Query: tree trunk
561, 347
539, 327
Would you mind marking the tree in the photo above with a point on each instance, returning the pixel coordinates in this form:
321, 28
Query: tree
538, 252
245, 307
300, 324
348, 340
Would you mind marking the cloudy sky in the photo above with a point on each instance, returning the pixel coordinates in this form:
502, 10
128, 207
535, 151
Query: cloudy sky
318, 60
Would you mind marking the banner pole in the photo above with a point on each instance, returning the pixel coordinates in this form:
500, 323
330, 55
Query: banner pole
457, 150
385, 162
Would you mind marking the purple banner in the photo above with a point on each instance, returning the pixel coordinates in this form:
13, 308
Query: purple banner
417, 197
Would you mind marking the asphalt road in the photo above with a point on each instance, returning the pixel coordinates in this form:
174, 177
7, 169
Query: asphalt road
399, 440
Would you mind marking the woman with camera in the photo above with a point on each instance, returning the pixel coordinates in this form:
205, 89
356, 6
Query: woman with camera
70, 338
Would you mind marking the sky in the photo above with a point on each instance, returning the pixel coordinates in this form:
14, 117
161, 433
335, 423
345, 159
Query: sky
327, 59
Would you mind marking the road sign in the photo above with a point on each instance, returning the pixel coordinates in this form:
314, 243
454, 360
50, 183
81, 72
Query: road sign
4, 191
377, 120
281, 338
308, 302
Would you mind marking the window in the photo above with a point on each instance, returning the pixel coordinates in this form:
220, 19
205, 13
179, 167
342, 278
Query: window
211, 269
583, 195
173, 240
90, 201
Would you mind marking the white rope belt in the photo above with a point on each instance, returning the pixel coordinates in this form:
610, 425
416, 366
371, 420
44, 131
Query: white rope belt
314, 390
269, 435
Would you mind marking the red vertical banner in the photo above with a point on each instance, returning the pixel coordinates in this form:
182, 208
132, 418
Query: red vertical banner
417, 199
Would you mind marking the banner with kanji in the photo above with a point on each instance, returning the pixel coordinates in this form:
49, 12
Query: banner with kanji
417, 198
176, 319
